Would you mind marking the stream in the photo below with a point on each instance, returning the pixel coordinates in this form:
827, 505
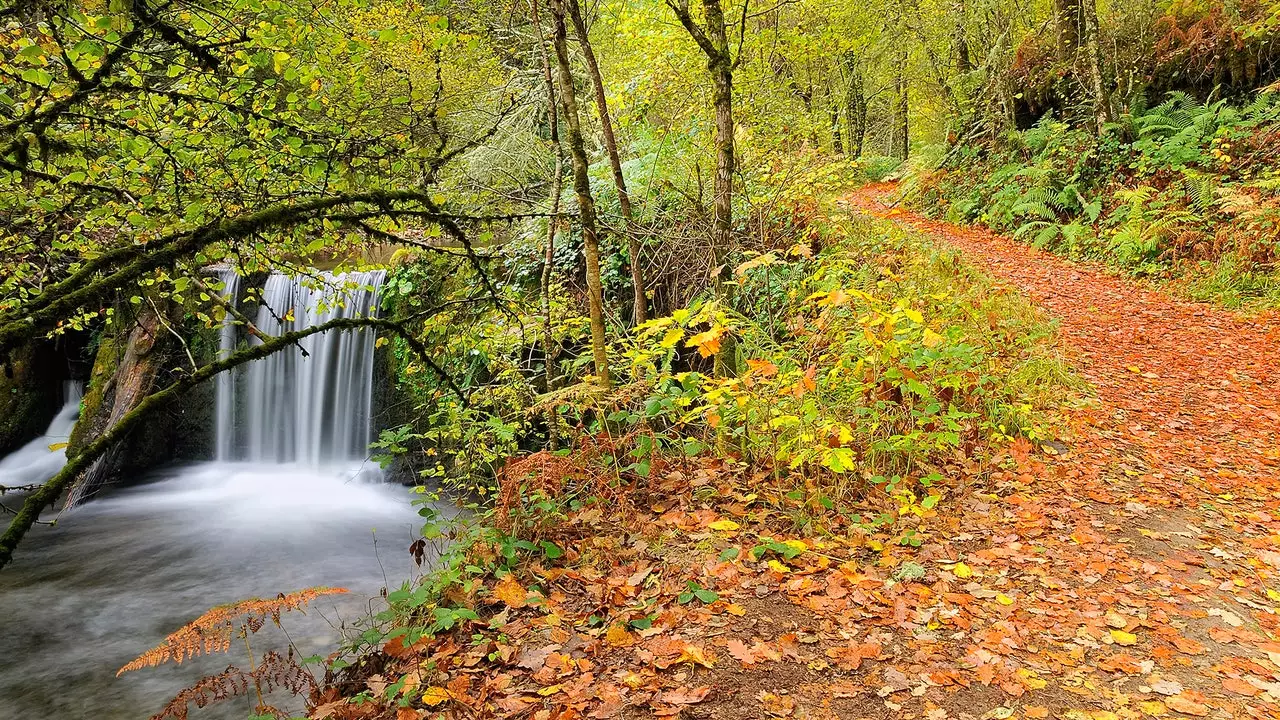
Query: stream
289, 503
117, 575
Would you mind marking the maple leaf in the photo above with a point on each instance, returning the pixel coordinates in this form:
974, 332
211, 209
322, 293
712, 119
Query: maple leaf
1120, 663
1240, 687
739, 651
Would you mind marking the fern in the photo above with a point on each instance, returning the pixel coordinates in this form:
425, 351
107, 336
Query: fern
273, 672
213, 631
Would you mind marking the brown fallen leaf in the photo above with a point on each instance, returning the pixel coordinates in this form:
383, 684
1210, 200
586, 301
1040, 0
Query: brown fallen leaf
776, 705
684, 696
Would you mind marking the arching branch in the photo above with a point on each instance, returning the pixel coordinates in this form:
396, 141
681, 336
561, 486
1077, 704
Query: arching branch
49, 492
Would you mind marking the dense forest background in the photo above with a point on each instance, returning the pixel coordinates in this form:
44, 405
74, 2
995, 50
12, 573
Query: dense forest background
623, 267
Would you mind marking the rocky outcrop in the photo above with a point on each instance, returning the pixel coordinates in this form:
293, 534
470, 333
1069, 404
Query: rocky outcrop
136, 357
30, 394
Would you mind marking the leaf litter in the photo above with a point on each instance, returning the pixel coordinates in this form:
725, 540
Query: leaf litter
1129, 569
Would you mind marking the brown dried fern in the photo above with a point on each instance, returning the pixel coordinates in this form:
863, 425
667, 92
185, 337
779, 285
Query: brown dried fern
275, 671
213, 631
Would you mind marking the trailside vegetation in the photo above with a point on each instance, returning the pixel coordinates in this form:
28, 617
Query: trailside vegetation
710, 410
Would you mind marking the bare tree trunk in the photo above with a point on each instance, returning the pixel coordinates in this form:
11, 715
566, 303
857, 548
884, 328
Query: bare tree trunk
641, 312
582, 188
1093, 63
903, 132
833, 111
557, 188
714, 42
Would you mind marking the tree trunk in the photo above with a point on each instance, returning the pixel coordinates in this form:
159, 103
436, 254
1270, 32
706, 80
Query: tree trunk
641, 312
1093, 62
902, 135
582, 188
855, 108
959, 41
557, 188
833, 111
1066, 20
714, 42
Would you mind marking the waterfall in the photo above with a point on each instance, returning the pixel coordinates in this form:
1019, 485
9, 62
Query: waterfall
311, 405
42, 458
225, 391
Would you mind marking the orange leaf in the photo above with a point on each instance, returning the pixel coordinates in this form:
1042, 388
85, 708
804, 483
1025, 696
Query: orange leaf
1186, 705
1240, 687
1035, 711
510, 591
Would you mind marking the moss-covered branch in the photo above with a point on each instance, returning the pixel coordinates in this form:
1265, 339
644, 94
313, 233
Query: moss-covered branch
48, 493
125, 265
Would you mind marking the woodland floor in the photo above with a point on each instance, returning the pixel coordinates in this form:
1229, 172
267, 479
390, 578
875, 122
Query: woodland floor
1132, 572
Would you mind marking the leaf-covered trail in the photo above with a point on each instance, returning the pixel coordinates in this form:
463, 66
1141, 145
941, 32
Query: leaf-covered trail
1132, 574
1165, 506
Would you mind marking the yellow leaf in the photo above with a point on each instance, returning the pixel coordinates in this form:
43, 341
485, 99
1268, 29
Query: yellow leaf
618, 635
724, 525
735, 609
1004, 599
1123, 638
1154, 708
778, 567
797, 544
1031, 680
1273, 595
544, 692
707, 343
913, 315
1135, 368
962, 571
58, 446
672, 337
633, 681
1103, 715
434, 696
510, 591
693, 654
931, 338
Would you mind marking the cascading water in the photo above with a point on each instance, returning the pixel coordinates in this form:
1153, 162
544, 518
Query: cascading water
44, 456
276, 511
225, 391
312, 407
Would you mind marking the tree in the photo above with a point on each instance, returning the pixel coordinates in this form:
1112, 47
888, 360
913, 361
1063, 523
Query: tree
641, 312
713, 39
582, 188
141, 144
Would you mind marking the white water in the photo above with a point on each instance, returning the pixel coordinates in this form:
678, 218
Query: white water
44, 456
118, 574
313, 406
225, 392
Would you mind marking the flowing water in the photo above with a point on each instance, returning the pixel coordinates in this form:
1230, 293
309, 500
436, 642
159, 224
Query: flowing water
296, 509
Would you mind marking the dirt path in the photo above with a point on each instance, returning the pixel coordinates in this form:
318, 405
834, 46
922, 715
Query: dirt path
1161, 523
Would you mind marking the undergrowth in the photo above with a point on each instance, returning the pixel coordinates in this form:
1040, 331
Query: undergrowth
1184, 191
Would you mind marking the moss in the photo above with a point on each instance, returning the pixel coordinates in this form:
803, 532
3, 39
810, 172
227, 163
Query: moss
29, 395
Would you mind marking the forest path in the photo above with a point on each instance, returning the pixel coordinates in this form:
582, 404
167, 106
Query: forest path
1162, 520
